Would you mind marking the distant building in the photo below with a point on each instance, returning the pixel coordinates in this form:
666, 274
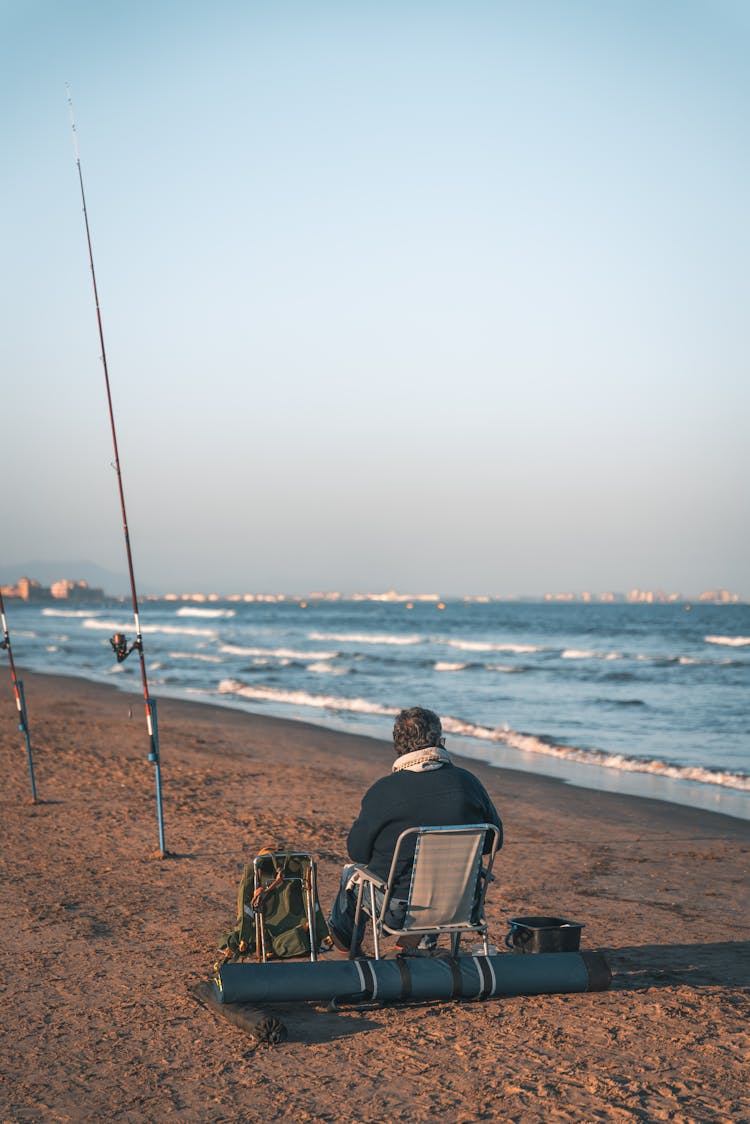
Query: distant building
27, 589
66, 590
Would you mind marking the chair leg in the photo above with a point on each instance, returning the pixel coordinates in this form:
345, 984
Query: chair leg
309, 895
357, 915
375, 925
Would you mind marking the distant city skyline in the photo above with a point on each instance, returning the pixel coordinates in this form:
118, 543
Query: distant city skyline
394, 296
28, 588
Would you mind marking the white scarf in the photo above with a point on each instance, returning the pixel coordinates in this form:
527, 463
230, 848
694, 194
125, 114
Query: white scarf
431, 757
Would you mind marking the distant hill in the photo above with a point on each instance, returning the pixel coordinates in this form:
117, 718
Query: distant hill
46, 572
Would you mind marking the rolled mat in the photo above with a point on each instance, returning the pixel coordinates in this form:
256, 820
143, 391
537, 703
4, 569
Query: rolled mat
418, 978
265, 1029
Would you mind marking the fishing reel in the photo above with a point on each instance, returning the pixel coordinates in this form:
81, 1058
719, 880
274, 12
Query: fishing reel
120, 647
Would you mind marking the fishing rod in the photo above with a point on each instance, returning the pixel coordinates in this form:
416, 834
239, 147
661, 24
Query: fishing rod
119, 641
23, 721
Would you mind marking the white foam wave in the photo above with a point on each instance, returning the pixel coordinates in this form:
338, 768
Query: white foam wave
506, 668
189, 612
366, 638
151, 629
443, 665
199, 657
729, 641
70, 612
587, 654
323, 667
530, 744
485, 646
302, 698
276, 653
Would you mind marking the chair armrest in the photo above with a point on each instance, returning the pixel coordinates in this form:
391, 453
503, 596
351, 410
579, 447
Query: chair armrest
362, 874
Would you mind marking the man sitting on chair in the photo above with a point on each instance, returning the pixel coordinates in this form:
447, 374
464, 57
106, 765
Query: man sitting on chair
424, 787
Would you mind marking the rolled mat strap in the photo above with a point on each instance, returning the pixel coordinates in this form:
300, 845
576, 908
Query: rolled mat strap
403, 970
487, 976
367, 976
597, 970
457, 990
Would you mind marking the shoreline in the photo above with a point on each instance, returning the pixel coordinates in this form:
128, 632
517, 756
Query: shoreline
101, 947
713, 798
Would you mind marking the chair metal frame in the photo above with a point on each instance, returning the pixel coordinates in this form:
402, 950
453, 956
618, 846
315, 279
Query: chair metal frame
368, 882
309, 895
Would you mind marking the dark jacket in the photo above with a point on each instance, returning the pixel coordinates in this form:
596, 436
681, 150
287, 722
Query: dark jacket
428, 798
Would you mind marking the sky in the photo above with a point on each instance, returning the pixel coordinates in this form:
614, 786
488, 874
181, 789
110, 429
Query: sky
445, 296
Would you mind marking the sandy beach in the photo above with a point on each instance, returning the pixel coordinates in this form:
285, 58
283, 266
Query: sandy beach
103, 944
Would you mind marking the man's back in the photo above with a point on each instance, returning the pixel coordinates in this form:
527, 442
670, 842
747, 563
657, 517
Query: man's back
436, 797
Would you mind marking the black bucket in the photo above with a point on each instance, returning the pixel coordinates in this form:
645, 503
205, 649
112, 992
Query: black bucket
543, 934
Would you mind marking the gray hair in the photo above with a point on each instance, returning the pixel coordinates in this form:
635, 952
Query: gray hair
416, 728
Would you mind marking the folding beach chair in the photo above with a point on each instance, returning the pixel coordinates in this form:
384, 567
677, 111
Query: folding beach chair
449, 882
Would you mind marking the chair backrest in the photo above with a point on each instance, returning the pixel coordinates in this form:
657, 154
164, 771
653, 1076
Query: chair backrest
445, 875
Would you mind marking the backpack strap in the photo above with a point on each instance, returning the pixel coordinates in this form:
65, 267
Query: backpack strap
261, 894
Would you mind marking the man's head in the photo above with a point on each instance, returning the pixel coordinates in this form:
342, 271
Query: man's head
416, 728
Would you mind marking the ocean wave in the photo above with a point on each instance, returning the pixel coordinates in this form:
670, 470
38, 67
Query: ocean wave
530, 743
485, 646
199, 657
302, 698
444, 665
149, 629
729, 641
586, 654
323, 667
70, 612
366, 638
276, 653
508, 669
190, 612
620, 702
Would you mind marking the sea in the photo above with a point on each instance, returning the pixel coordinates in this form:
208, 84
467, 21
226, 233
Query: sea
649, 699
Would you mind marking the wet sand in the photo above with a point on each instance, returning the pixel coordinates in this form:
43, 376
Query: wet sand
103, 944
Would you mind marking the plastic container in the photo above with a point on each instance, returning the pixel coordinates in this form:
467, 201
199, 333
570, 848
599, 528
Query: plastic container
543, 934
